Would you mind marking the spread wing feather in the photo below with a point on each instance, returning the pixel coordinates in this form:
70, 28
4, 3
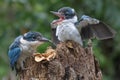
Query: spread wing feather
91, 27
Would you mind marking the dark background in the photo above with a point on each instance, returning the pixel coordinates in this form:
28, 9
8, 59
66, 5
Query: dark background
20, 16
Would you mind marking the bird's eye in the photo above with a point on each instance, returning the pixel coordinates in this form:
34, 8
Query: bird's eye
33, 38
67, 13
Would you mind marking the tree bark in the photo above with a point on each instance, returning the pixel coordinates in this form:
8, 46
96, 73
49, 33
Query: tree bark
72, 62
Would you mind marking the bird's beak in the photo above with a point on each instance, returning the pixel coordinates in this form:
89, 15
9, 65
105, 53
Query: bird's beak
57, 14
43, 39
61, 17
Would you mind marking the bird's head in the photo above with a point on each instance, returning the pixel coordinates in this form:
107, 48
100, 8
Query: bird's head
33, 39
65, 13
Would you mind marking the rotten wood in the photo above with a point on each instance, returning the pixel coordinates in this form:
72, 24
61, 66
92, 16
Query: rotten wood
72, 62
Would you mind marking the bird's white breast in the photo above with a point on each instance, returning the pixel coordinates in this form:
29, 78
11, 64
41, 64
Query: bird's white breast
65, 31
68, 31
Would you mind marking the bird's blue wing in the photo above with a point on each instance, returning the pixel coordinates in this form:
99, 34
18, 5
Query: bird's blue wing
14, 55
14, 52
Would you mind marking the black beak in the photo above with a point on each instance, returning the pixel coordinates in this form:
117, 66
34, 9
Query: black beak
43, 39
57, 14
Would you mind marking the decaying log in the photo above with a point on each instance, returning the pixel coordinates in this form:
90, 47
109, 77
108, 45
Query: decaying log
72, 62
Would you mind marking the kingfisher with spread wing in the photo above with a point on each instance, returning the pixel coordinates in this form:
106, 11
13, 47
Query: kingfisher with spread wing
68, 27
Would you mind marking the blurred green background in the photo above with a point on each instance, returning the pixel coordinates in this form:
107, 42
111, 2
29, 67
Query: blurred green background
20, 16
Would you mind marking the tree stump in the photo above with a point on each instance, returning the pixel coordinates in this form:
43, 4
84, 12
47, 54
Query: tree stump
72, 62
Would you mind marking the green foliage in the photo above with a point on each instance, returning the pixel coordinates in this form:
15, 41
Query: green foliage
20, 16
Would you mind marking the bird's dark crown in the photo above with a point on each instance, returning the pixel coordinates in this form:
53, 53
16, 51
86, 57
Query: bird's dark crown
67, 12
32, 36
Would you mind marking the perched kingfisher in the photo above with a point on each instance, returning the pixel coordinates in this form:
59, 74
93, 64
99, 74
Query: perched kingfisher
69, 27
22, 47
65, 27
